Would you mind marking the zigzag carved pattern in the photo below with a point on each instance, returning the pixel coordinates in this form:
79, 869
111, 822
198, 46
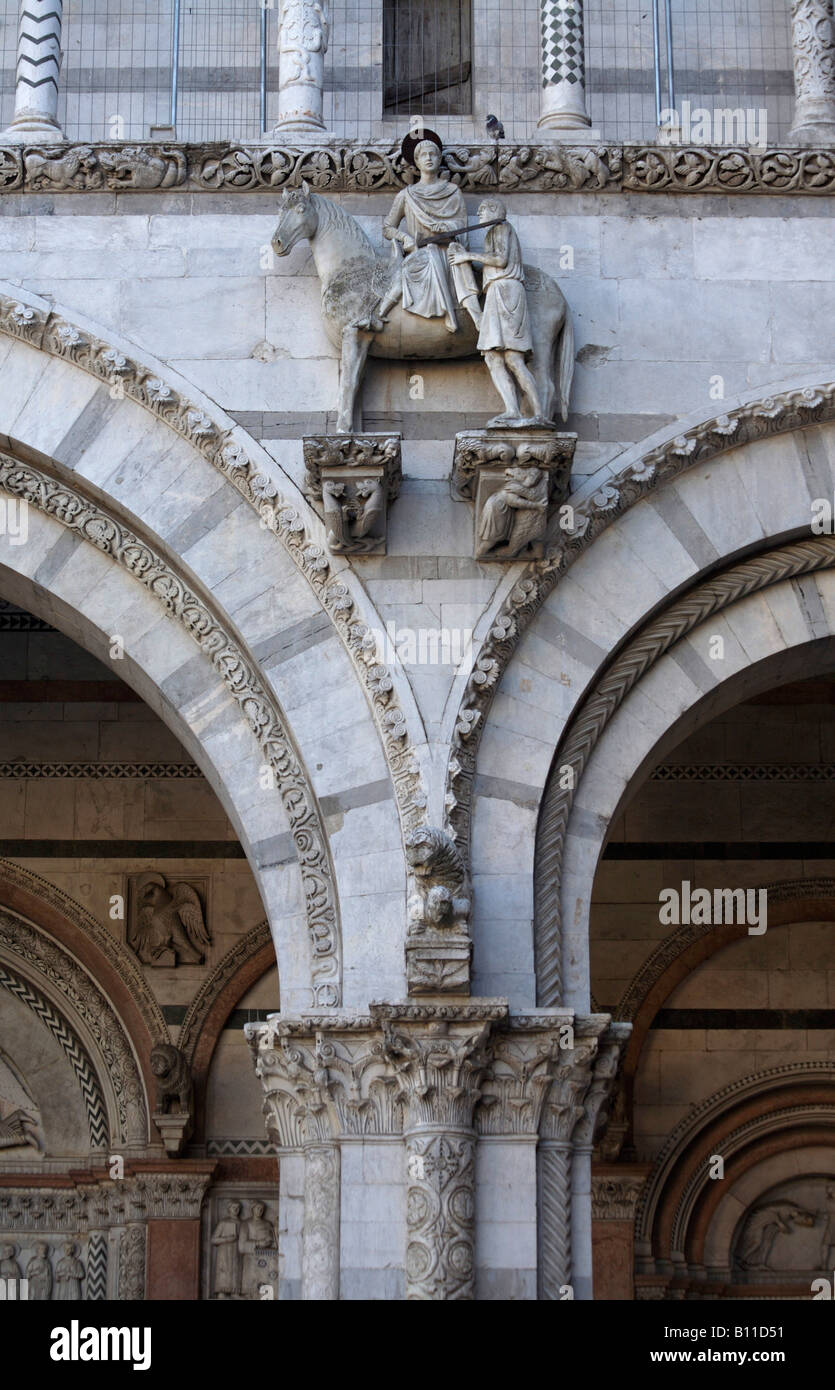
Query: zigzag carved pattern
74, 1052
592, 716
97, 1266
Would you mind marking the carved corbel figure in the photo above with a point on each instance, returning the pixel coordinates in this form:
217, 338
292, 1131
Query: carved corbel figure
516, 479
174, 1085
438, 946
354, 478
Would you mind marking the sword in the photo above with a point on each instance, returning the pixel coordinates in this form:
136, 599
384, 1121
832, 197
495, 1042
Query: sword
444, 238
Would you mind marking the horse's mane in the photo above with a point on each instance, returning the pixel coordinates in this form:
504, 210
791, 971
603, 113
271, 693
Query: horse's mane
332, 215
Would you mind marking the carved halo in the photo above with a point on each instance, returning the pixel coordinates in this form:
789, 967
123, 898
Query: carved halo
411, 142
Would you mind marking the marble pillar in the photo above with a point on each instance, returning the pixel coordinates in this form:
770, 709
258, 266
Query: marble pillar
563, 66
813, 54
35, 120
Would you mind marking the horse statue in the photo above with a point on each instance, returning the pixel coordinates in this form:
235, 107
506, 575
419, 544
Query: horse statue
355, 276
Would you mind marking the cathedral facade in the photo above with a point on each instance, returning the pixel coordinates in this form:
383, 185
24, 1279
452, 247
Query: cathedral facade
417, 611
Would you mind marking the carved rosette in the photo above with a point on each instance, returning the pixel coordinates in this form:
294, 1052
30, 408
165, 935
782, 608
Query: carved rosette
813, 53
516, 478
354, 478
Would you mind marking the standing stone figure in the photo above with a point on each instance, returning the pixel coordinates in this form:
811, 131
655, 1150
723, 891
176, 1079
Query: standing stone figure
225, 1237
69, 1273
9, 1267
259, 1248
39, 1274
504, 338
427, 283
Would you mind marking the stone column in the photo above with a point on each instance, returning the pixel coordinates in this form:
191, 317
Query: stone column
813, 52
439, 1065
320, 1233
35, 120
303, 32
292, 1059
571, 1115
615, 1193
563, 66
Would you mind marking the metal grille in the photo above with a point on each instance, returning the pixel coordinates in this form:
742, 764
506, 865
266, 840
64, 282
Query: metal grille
726, 53
117, 66
220, 69
736, 54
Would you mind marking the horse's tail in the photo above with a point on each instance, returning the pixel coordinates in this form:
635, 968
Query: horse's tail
565, 369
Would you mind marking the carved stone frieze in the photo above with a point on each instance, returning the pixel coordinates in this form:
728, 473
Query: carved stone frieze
338, 167
354, 477
240, 1243
85, 168
516, 478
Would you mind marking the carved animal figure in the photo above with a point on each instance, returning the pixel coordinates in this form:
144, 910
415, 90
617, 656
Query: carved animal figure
173, 1076
169, 920
439, 895
355, 276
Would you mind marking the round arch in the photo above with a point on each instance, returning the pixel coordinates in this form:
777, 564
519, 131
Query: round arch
677, 554
133, 438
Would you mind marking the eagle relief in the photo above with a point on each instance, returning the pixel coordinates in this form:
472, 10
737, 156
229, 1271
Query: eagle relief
166, 921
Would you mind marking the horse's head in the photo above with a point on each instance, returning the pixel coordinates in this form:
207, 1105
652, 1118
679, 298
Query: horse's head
297, 221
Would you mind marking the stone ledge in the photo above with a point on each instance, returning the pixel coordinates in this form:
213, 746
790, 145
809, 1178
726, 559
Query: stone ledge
345, 166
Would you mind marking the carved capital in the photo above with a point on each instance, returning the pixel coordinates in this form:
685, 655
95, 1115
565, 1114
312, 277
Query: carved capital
516, 478
439, 1057
354, 477
614, 1196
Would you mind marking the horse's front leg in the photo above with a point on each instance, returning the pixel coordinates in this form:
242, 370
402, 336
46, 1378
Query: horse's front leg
355, 345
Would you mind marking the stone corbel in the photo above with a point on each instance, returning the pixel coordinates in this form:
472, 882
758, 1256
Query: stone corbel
516, 477
353, 478
439, 900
